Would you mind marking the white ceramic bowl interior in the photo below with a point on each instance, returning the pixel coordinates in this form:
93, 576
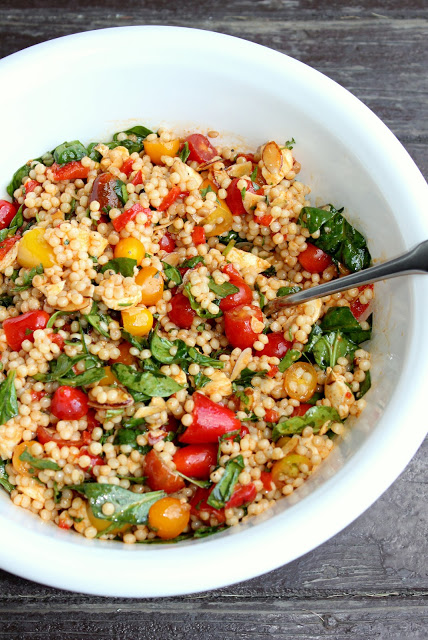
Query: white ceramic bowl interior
79, 87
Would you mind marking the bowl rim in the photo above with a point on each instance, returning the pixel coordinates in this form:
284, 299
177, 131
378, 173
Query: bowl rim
361, 481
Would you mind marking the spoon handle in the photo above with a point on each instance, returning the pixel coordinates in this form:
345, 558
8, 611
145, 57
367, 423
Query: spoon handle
413, 261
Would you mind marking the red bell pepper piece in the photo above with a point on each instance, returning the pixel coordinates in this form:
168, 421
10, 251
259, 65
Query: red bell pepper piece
266, 478
121, 221
169, 199
127, 166
210, 421
198, 236
70, 171
137, 179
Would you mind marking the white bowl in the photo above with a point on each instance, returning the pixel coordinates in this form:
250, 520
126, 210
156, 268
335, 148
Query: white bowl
89, 85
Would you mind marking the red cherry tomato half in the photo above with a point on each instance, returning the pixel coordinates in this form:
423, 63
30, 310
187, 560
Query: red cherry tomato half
159, 475
30, 185
69, 403
276, 347
45, 435
22, 327
243, 296
181, 313
314, 260
210, 421
57, 339
103, 191
201, 149
264, 220
272, 371
70, 171
271, 415
95, 461
357, 308
242, 495
138, 179
167, 243
234, 198
199, 503
198, 236
196, 460
266, 478
8, 211
301, 409
237, 323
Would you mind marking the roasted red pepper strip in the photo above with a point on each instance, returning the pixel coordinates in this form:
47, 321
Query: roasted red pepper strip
210, 421
198, 236
138, 179
169, 199
121, 221
70, 171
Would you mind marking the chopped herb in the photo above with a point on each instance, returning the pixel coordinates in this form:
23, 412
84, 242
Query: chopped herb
134, 479
134, 341
253, 176
121, 191
229, 248
172, 273
206, 190
138, 132
192, 262
200, 327
203, 532
230, 235
270, 272
235, 435
342, 318
8, 399
314, 417
6, 301
17, 178
185, 152
125, 266
55, 316
290, 143
63, 367
246, 377
113, 413
201, 380
37, 463
27, 279
57, 493
223, 490
243, 192
125, 436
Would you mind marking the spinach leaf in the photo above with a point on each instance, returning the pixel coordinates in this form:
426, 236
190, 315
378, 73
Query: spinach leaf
139, 132
246, 377
134, 341
203, 360
150, 384
6, 301
8, 399
229, 236
69, 152
27, 279
160, 348
330, 347
130, 507
38, 463
285, 291
342, 319
201, 380
4, 478
222, 290
94, 318
172, 273
125, 436
192, 262
125, 266
94, 374
132, 423
364, 386
203, 532
64, 365
202, 313
337, 237
121, 191
185, 152
92, 153
223, 490
291, 356
314, 417
17, 177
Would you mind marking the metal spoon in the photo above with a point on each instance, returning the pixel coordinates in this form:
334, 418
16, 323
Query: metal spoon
413, 261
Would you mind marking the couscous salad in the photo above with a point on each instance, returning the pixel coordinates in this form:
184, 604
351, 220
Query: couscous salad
144, 395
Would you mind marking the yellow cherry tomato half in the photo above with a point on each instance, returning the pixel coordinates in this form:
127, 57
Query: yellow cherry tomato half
221, 217
300, 381
21, 467
156, 149
34, 250
130, 248
169, 517
151, 282
288, 467
137, 321
109, 378
100, 524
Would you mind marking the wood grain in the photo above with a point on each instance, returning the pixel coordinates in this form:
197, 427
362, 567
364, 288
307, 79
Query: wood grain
370, 581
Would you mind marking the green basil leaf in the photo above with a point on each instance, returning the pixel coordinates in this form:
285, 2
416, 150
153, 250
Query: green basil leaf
223, 490
364, 386
8, 399
172, 273
160, 348
130, 507
206, 190
203, 360
125, 266
139, 343
201, 380
342, 319
291, 356
203, 484
18, 219
121, 191
229, 236
285, 291
139, 132
330, 347
38, 463
236, 435
69, 152
17, 178
127, 436
314, 417
222, 290
64, 364
246, 377
4, 478
56, 315
202, 313
192, 262
185, 152
27, 279
150, 384
133, 423
92, 153
90, 376
94, 318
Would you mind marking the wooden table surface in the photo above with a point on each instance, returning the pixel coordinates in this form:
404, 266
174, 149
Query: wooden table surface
370, 581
